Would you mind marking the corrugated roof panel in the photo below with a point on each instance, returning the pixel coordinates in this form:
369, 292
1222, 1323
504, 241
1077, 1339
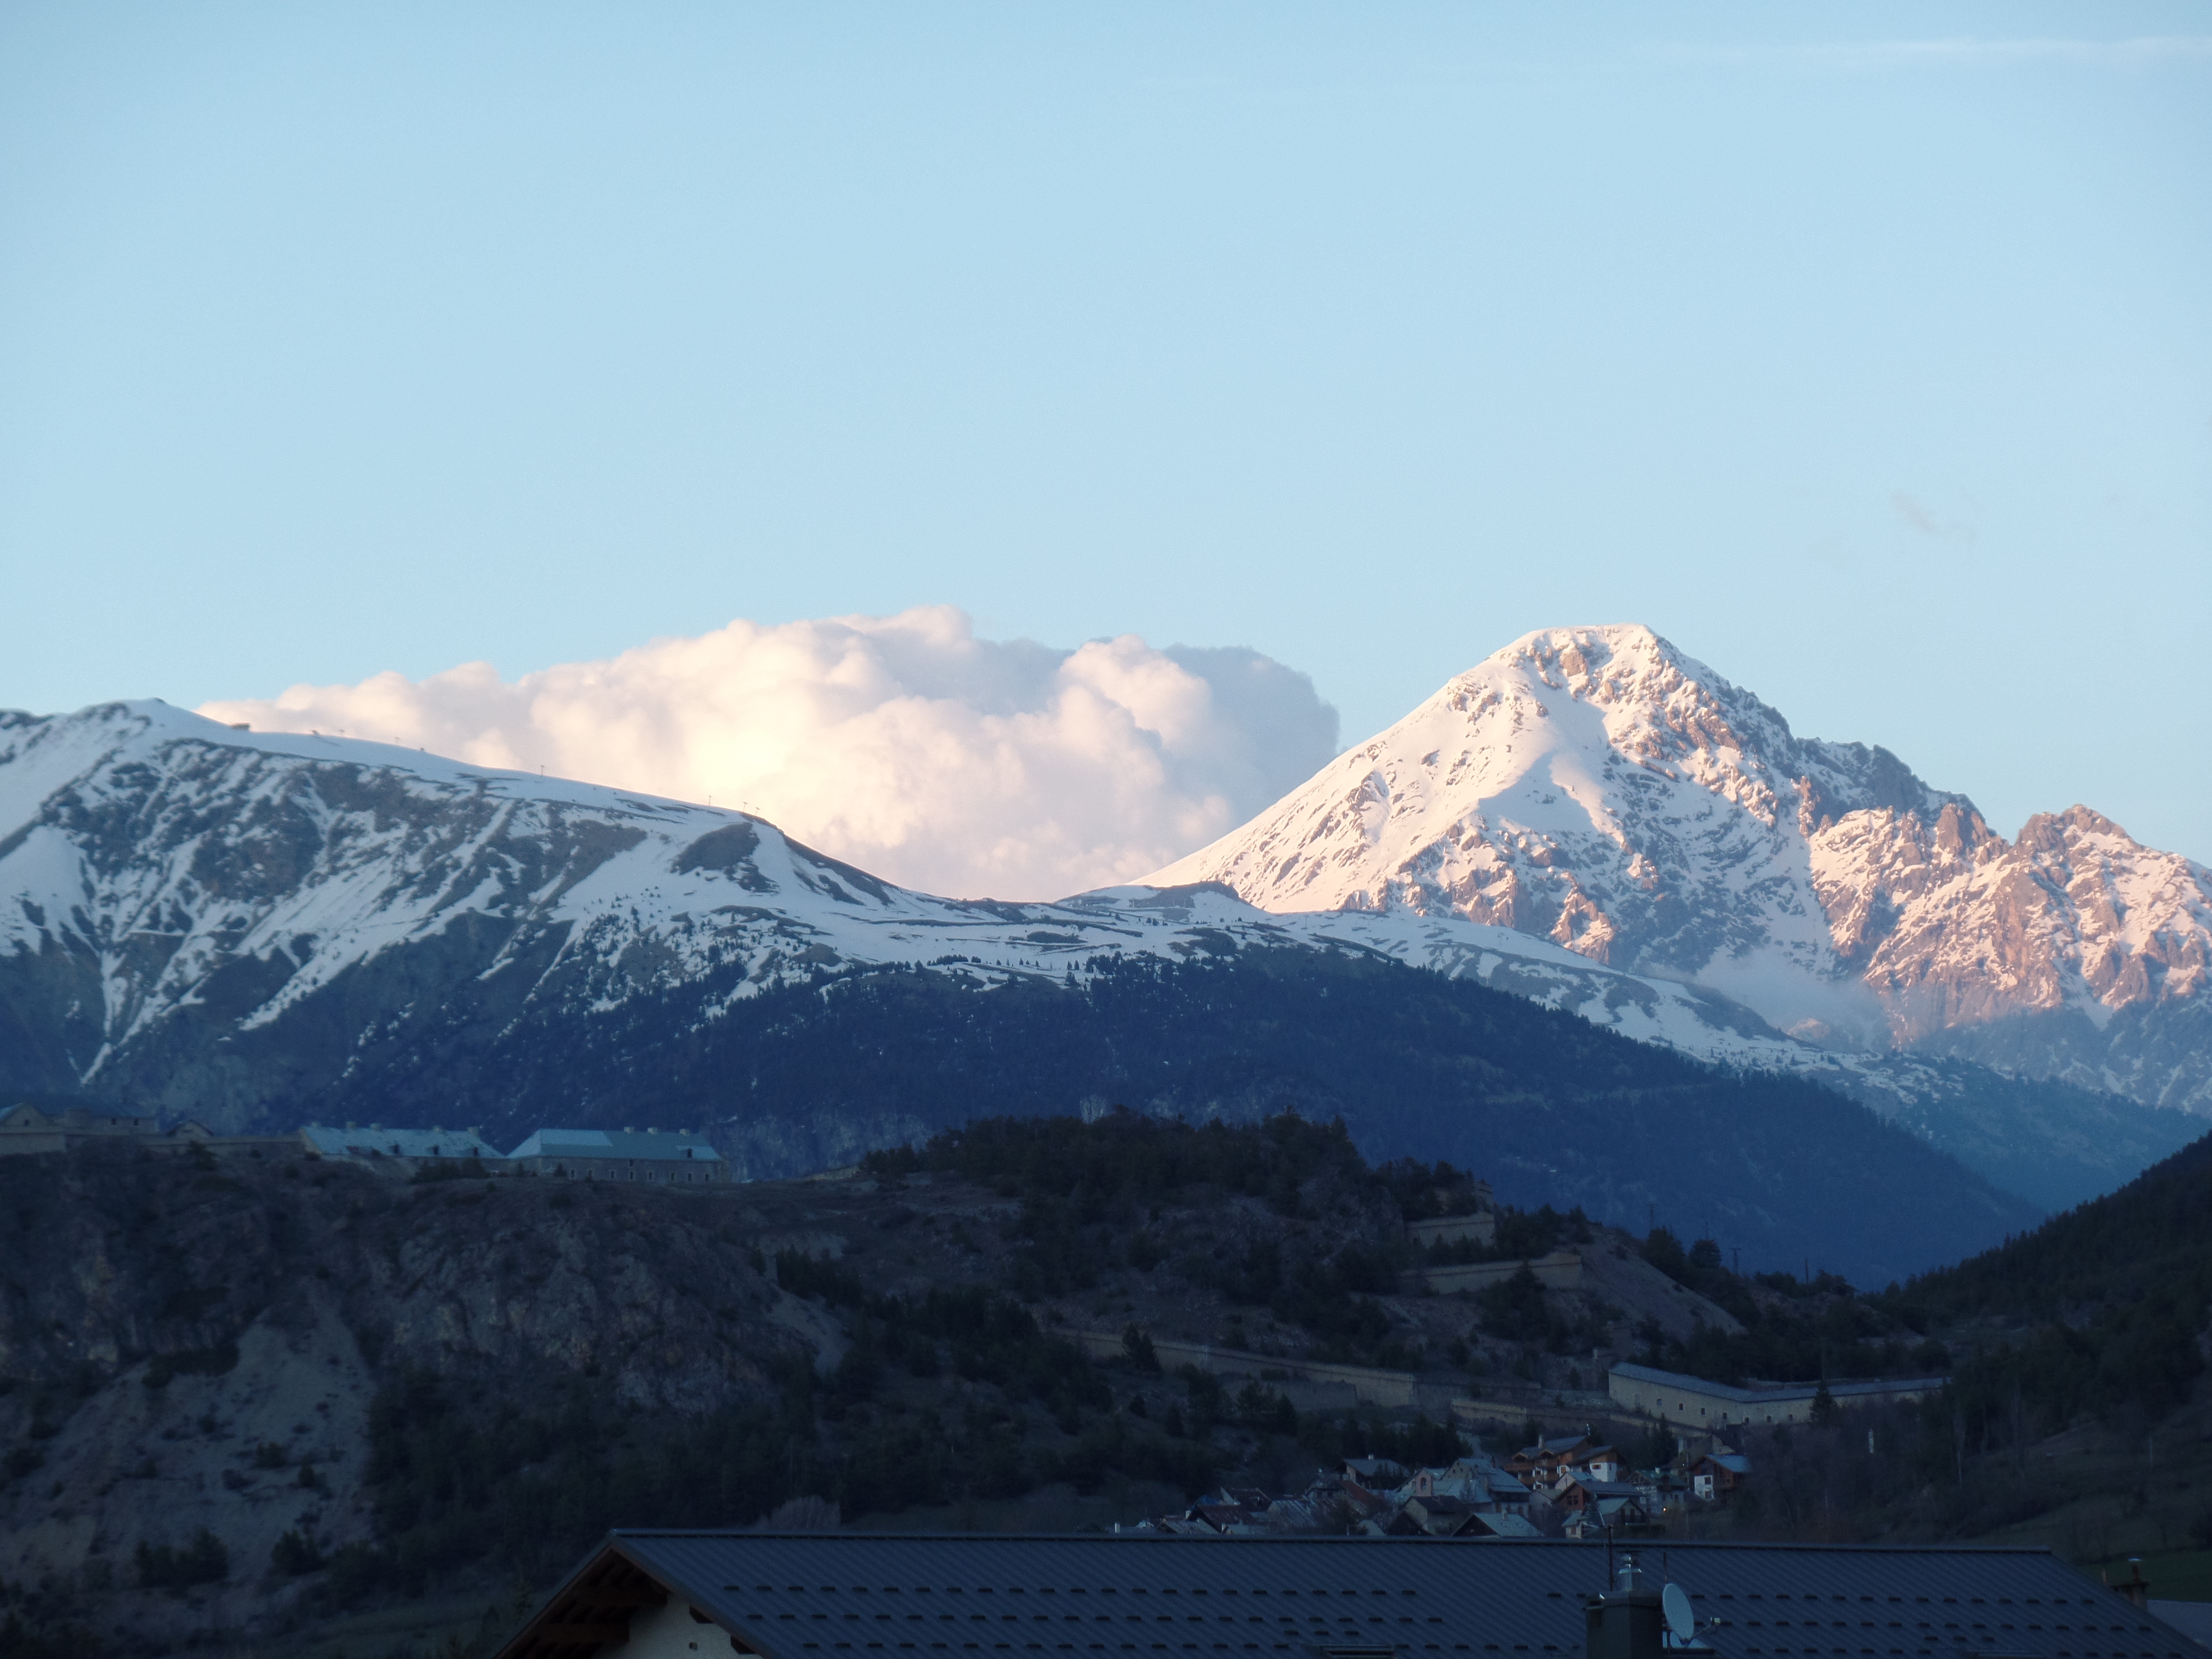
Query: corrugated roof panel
847, 1596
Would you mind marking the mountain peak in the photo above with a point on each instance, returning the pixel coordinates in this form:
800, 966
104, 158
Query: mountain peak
1586, 650
1600, 788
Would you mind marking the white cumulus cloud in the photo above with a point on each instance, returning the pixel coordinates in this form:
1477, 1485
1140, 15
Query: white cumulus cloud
904, 745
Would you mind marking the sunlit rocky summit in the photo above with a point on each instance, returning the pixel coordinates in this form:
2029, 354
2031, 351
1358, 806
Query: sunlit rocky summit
1596, 788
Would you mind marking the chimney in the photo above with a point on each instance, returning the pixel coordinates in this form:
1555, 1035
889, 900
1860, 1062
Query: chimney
1625, 1622
2135, 1586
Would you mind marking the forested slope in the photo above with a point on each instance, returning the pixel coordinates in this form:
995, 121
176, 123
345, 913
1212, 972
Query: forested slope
1552, 1107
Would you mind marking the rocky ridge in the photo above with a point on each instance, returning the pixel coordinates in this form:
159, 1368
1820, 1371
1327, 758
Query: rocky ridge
222, 923
257, 929
1599, 789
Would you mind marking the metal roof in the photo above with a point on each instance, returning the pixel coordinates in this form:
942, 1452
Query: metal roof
657, 1143
846, 1596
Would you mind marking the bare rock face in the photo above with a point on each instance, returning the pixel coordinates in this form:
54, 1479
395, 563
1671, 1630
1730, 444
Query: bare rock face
199, 1347
1595, 787
1973, 928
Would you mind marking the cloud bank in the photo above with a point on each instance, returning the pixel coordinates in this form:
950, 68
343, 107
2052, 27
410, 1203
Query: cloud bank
904, 745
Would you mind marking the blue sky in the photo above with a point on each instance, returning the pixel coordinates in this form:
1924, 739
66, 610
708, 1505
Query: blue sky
1865, 351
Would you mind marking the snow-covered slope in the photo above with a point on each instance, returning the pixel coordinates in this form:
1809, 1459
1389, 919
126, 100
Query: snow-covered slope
1596, 788
244, 927
168, 886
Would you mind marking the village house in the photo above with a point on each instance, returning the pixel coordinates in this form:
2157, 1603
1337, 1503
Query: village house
1506, 1492
1598, 1463
1469, 1499
1482, 1485
1717, 1473
1576, 1492
1623, 1514
1540, 1465
25, 1129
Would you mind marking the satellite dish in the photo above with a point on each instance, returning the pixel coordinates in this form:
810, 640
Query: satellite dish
1682, 1622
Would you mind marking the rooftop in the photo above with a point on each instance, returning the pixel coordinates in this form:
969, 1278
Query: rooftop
615, 1144
377, 1141
877, 1596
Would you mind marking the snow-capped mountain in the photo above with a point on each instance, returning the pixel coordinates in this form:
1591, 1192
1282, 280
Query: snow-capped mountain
1595, 787
174, 892
252, 928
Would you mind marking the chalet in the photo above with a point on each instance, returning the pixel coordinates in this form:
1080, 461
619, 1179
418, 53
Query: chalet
1599, 1462
1717, 1473
1577, 1492
882, 1595
1481, 1484
1456, 1479
1540, 1465
1508, 1493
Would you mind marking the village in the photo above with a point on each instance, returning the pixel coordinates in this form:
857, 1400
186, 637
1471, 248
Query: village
958, 1350
1571, 1486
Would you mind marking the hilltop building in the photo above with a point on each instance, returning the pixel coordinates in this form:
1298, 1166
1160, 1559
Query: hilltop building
661, 1155
25, 1129
670, 1157
411, 1148
1693, 1402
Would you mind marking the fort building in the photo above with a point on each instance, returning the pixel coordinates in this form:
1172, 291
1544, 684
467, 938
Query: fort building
1693, 1402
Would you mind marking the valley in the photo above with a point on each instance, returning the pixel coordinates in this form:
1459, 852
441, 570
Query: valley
253, 1397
